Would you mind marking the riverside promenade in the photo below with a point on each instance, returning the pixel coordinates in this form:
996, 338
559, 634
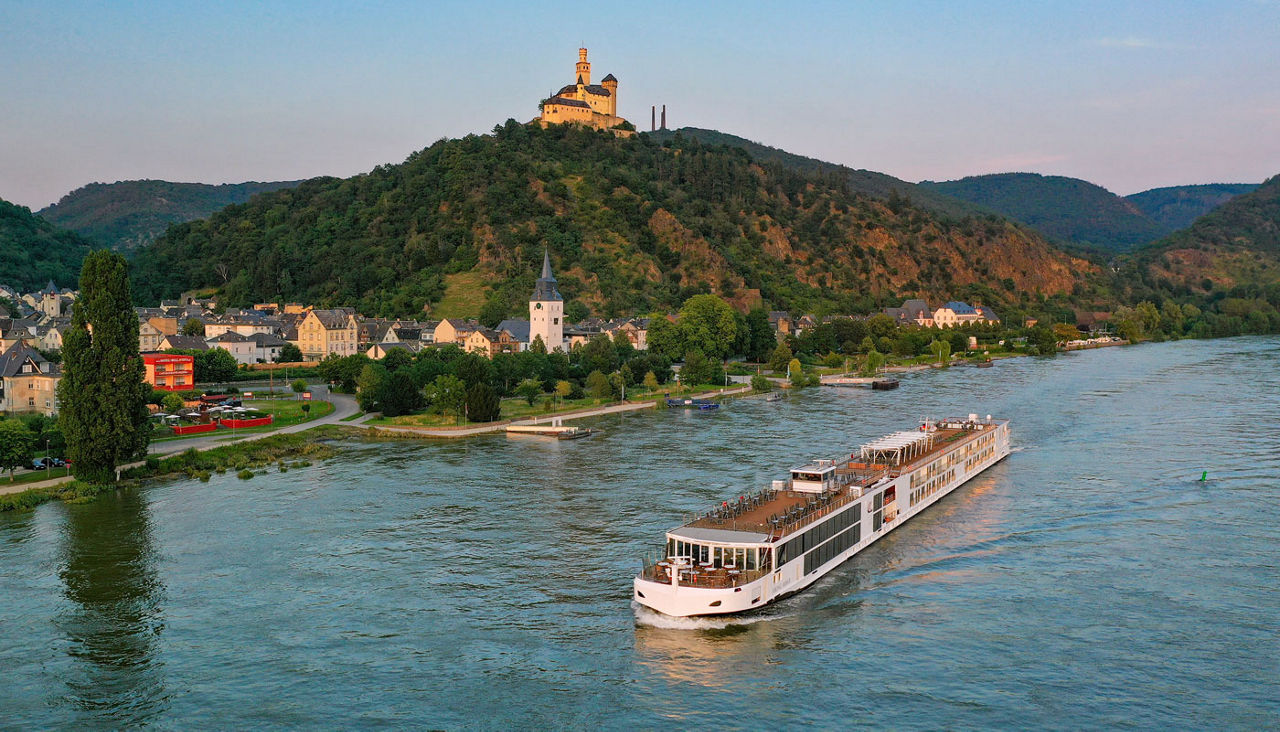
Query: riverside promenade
501, 425
344, 407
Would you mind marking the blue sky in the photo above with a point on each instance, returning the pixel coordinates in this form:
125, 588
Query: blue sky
1128, 95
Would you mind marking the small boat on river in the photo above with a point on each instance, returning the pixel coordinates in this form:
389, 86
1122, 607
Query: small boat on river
885, 384
701, 404
756, 549
773, 396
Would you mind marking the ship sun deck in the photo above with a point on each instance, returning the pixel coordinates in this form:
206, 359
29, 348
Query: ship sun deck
783, 509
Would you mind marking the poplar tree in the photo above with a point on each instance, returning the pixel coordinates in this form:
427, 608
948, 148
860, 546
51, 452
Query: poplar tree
102, 394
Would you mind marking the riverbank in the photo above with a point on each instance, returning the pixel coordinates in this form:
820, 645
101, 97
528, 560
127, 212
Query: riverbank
407, 431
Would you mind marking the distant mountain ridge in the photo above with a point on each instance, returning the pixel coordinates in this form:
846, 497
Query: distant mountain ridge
1064, 209
33, 251
127, 214
868, 182
1176, 207
1235, 245
633, 225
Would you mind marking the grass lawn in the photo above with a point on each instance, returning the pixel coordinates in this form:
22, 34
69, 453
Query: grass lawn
518, 408
34, 476
286, 412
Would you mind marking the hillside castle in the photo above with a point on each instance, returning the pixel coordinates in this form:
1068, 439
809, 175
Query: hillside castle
584, 103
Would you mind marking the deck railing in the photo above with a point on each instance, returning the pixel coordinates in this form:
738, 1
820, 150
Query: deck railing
707, 578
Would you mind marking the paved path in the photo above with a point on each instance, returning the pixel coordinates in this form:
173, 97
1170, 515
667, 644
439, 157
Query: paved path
343, 406
501, 426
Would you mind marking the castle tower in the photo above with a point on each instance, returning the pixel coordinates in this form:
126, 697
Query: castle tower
610, 82
583, 69
546, 308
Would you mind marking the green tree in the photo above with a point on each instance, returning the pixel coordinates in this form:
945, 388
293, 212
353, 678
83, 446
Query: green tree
369, 386
598, 385
193, 327
563, 389
1042, 338
483, 404
575, 312
447, 394
16, 443
396, 359
650, 381
399, 395
873, 362
1066, 332
707, 324
538, 346
103, 396
1148, 316
941, 350
529, 389
599, 354
214, 365
289, 353
760, 337
298, 386
665, 338
780, 358
172, 403
798, 377
761, 384
617, 386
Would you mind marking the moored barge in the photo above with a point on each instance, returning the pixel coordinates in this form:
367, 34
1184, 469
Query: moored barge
756, 549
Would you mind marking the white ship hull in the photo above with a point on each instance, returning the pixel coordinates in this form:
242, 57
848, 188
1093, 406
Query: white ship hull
950, 471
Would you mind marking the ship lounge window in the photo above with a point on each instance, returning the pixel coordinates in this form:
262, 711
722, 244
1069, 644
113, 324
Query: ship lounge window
742, 558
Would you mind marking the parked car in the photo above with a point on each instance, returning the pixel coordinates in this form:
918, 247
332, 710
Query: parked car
39, 464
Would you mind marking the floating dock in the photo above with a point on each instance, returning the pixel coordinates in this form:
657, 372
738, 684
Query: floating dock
558, 431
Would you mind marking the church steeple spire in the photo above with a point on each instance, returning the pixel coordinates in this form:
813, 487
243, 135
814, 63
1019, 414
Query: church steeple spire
546, 289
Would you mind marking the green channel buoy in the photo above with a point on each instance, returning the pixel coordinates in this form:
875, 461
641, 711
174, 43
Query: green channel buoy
1204, 476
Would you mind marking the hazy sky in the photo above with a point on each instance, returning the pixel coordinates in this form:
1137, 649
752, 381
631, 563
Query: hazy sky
1128, 95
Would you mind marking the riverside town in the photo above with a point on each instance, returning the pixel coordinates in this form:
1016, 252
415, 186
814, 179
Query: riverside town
365, 367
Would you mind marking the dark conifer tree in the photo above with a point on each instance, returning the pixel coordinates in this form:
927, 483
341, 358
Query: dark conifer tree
102, 395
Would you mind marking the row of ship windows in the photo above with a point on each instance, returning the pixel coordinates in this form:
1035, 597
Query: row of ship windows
928, 489
832, 549
820, 533
983, 455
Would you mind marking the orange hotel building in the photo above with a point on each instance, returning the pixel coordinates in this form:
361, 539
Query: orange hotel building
170, 371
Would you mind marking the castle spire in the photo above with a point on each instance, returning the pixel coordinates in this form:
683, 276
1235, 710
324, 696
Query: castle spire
546, 265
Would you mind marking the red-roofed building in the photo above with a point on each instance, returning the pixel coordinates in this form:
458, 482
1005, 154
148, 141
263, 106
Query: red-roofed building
170, 371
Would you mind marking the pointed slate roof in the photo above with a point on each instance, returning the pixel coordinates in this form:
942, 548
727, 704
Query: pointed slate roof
610, 77
546, 289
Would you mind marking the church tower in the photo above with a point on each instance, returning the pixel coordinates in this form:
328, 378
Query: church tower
583, 69
546, 309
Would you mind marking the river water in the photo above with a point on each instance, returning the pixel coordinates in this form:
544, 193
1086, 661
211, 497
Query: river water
1088, 580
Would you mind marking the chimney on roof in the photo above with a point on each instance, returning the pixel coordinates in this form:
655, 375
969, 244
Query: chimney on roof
664, 116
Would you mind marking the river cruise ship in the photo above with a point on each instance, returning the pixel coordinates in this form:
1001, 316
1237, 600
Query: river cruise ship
756, 549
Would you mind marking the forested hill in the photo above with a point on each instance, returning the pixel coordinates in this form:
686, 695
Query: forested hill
1065, 209
33, 251
128, 214
1237, 245
1176, 207
869, 182
632, 226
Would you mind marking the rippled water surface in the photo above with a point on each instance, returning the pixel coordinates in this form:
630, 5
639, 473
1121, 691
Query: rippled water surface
1087, 580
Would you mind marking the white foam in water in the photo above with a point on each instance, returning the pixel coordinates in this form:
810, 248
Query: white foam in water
654, 619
